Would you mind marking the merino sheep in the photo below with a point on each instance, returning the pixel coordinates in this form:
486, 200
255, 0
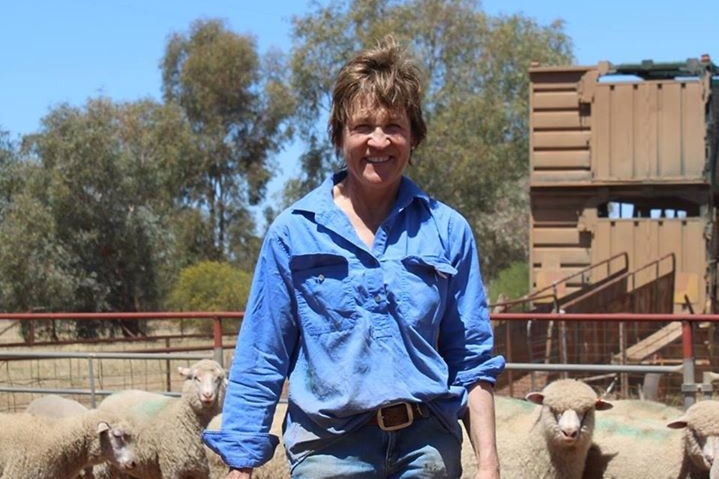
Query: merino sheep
700, 440
552, 442
53, 405
36, 447
169, 429
626, 438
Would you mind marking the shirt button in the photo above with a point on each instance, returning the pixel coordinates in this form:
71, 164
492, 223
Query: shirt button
378, 299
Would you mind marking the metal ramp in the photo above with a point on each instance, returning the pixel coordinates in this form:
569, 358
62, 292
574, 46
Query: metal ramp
647, 289
650, 345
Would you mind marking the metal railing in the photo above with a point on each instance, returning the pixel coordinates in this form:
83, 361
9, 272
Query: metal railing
689, 388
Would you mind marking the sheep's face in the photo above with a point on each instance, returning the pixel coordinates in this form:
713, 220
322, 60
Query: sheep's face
701, 435
205, 384
567, 415
567, 428
117, 445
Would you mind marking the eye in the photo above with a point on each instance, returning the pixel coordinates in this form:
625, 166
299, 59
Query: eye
361, 128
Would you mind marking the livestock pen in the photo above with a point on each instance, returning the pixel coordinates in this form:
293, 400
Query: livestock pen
88, 370
94, 368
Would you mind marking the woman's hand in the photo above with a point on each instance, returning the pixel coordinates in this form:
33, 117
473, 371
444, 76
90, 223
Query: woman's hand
241, 473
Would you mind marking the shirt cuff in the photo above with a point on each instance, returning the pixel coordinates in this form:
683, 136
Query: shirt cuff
487, 371
241, 450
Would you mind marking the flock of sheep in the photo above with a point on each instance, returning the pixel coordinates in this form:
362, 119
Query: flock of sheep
564, 431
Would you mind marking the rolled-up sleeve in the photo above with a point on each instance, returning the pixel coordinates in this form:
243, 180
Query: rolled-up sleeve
264, 347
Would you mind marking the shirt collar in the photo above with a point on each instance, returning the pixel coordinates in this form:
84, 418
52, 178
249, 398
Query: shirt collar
320, 202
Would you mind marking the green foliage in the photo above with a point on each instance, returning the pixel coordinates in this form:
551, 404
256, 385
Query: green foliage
10, 181
236, 103
106, 204
512, 282
211, 286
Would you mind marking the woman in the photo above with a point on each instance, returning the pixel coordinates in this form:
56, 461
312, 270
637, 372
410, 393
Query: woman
368, 297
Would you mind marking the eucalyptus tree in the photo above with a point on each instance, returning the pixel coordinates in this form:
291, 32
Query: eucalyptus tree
236, 102
476, 102
106, 174
9, 177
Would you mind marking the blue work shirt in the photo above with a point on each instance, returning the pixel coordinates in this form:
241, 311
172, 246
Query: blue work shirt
355, 328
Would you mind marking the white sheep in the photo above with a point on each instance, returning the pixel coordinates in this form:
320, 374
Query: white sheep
552, 442
36, 447
169, 429
700, 440
626, 439
53, 405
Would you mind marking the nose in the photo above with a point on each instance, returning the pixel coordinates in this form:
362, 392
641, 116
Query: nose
378, 138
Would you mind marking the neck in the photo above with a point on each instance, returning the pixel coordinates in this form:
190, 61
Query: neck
370, 206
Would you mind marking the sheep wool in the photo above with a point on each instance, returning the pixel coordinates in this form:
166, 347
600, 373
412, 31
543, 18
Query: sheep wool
35, 447
643, 439
169, 430
53, 405
632, 440
700, 440
553, 441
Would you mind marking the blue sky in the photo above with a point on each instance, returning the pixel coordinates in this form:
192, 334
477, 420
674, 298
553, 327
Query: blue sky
67, 51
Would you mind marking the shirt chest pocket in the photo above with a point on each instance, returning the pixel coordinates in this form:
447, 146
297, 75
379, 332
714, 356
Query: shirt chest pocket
425, 283
323, 290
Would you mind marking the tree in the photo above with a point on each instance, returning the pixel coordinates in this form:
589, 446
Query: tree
236, 103
475, 157
211, 286
10, 181
102, 196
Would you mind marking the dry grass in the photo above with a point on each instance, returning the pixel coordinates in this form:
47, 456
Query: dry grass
100, 374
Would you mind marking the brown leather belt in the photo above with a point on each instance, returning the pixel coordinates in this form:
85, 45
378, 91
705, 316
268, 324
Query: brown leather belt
399, 415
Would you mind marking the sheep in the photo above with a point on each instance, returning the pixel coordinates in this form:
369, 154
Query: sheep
169, 429
700, 440
60, 448
53, 405
275, 468
626, 438
552, 442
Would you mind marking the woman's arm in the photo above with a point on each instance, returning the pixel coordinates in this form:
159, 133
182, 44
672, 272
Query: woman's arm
480, 425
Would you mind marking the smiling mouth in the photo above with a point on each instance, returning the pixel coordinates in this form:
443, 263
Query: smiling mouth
377, 159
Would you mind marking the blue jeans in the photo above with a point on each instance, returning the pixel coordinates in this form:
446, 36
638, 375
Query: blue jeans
424, 450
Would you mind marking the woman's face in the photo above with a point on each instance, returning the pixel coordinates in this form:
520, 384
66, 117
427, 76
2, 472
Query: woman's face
376, 144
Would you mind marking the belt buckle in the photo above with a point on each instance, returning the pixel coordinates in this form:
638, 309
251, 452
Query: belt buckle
402, 425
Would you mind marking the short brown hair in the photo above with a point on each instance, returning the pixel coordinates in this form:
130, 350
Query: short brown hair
386, 74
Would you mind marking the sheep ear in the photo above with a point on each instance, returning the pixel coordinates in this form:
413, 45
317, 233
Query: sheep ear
535, 397
678, 423
602, 405
184, 372
102, 427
